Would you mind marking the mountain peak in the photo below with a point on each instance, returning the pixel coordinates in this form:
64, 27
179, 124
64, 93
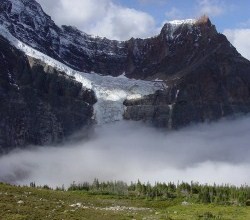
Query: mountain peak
201, 20
204, 19
180, 22
200, 26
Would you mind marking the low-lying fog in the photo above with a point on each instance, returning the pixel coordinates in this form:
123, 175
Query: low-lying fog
208, 153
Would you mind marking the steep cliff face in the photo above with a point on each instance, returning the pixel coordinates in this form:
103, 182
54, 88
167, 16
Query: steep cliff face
207, 93
39, 105
210, 81
188, 73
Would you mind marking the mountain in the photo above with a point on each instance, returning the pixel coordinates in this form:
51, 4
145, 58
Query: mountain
56, 80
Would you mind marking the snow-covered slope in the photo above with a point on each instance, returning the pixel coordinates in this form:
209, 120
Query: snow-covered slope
110, 91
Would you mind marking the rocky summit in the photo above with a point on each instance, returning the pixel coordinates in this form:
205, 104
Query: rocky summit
54, 80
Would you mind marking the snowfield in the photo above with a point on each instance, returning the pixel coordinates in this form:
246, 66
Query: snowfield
110, 91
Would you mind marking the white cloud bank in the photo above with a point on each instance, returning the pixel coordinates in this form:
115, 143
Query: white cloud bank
127, 151
240, 39
103, 18
211, 8
174, 14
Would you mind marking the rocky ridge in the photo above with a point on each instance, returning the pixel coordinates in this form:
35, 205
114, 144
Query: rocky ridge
160, 56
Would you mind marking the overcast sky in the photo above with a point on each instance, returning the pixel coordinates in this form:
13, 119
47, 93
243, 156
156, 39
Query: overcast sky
123, 19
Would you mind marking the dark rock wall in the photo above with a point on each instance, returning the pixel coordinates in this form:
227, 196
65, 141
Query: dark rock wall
215, 88
38, 107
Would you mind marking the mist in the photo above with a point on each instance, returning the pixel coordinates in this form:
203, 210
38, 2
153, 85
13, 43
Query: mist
128, 151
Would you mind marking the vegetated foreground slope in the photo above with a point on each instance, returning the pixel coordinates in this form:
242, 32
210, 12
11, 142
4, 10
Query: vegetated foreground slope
40, 203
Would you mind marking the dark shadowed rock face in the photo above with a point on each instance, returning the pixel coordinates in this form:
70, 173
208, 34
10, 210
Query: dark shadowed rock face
39, 105
206, 78
215, 85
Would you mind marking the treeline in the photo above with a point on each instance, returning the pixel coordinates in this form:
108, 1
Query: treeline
189, 192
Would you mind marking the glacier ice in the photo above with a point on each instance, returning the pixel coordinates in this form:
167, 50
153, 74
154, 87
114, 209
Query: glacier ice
110, 91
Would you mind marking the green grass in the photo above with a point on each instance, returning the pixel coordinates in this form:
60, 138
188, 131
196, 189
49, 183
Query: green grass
27, 203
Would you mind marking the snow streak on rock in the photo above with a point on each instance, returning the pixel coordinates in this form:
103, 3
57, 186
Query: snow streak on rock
110, 91
180, 22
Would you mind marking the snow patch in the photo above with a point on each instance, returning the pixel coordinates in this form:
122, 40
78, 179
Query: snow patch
177, 94
158, 80
134, 96
174, 25
180, 22
17, 6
